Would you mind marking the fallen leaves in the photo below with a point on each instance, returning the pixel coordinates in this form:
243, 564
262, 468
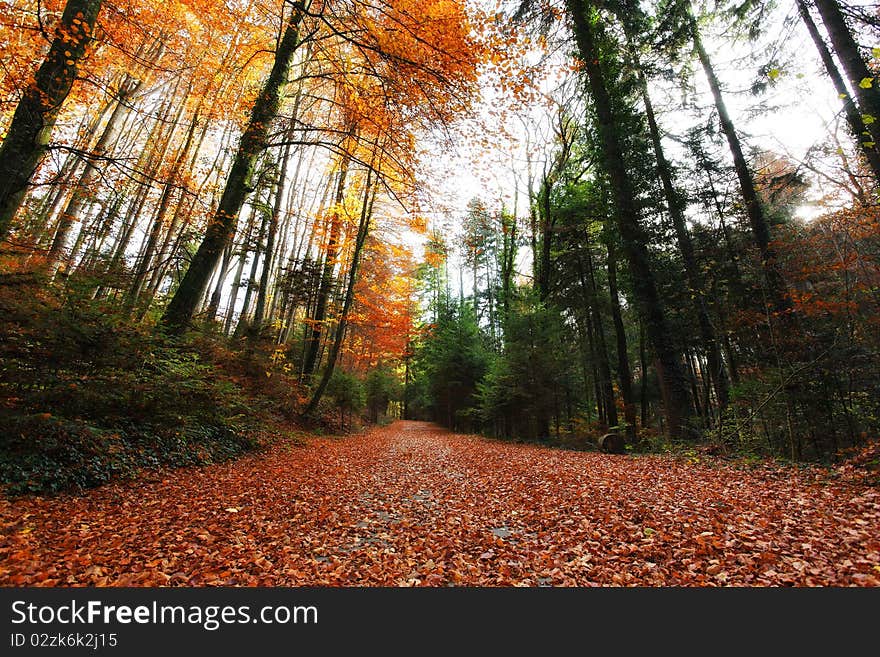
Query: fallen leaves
409, 505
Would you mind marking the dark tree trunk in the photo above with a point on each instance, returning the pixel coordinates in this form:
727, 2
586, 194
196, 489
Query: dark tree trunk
253, 142
216, 295
593, 369
754, 209
268, 257
868, 95
363, 232
606, 385
239, 273
243, 324
863, 136
546, 245
673, 380
675, 205
643, 382
28, 135
624, 372
508, 261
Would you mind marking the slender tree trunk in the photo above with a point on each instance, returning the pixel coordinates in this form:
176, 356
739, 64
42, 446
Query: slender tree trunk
490, 302
290, 225
45, 218
28, 135
363, 231
183, 214
731, 357
243, 325
606, 386
150, 160
317, 321
624, 372
699, 407
84, 187
49, 209
546, 245
268, 258
862, 135
754, 209
104, 227
253, 142
675, 205
239, 272
508, 262
643, 366
594, 370
168, 189
217, 294
862, 80
586, 349
672, 377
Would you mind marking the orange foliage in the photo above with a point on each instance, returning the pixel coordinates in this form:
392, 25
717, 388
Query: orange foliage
833, 265
384, 314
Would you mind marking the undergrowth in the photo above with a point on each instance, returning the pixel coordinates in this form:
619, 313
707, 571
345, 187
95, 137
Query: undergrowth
88, 396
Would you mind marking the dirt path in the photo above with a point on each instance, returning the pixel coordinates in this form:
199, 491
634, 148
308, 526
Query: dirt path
411, 504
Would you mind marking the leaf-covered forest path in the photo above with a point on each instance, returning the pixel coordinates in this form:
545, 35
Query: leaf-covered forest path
411, 504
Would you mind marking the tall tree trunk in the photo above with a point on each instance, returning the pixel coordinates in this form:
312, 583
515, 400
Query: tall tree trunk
546, 244
863, 136
508, 259
44, 227
126, 232
624, 372
595, 376
253, 142
317, 321
239, 272
754, 209
587, 359
183, 214
672, 377
675, 205
104, 225
862, 80
45, 220
168, 189
95, 163
643, 382
216, 295
363, 231
28, 135
268, 258
265, 217
149, 161
605, 387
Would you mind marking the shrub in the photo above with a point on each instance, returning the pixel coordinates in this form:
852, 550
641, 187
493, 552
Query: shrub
348, 394
87, 396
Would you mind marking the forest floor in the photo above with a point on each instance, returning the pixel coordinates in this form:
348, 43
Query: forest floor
411, 504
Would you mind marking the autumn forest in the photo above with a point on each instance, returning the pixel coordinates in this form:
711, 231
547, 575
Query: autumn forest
439, 292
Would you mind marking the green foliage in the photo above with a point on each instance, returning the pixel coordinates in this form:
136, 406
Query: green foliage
812, 415
348, 394
451, 362
87, 396
530, 381
381, 387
